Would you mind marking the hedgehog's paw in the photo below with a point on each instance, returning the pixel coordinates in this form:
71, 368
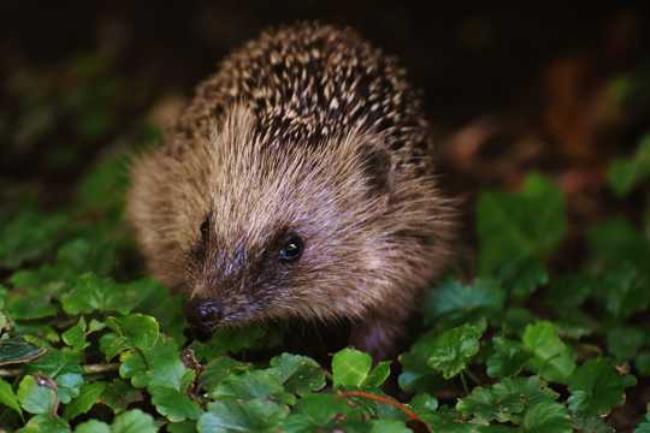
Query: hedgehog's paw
378, 335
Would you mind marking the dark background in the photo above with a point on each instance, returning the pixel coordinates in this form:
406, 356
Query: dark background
468, 58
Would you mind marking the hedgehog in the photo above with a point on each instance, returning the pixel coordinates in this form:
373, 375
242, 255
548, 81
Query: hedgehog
299, 182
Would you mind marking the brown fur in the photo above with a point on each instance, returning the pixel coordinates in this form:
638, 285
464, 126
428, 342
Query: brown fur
309, 130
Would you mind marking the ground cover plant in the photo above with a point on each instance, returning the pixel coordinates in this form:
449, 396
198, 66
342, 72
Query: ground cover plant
529, 341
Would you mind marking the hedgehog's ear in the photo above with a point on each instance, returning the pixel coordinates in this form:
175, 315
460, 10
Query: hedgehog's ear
377, 169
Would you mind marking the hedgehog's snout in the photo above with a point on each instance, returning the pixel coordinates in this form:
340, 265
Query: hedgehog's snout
203, 315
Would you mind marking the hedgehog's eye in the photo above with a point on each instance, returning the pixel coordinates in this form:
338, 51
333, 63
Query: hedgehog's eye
205, 230
292, 248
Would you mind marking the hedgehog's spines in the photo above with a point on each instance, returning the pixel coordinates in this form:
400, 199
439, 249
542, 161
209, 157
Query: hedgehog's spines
307, 82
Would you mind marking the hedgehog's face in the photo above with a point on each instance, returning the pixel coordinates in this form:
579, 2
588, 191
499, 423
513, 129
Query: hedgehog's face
282, 251
248, 280
298, 234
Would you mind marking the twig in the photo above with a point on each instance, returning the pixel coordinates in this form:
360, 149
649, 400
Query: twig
101, 368
472, 376
10, 372
388, 401
464, 382
87, 369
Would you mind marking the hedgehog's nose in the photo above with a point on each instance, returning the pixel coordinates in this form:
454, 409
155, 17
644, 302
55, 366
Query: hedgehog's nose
204, 314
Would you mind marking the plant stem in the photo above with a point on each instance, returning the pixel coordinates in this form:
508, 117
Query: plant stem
88, 369
472, 376
464, 382
101, 368
384, 399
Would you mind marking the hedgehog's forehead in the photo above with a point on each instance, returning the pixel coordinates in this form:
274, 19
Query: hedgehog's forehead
266, 198
258, 183
246, 213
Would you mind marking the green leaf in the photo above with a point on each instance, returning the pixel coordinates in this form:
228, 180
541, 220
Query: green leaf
616, 240
151, 297
133, 366
36, 396
173, 404
56, 362
29, 236
424, 404
5, 324
570, 291
460, 302
159, 366
133, 421
389, 426
45, 424
75, 336
103, 189
350, 368
34, 290
93, 293
240, 416
96, 253
95, 325
113, 344
625, 291
596, 388
138, 330
621, 257
28, 308
416, 375
8, 397
591, 425
448, 420
516, 319
182, 427
118, 395
256, 384
218, 369
507, 359
522, 277
93, 426
88, 396
232, 340
575, 324
505, 401
547, 417
551, 358
450, 352
68, 386
642, 362
166, 367
298, 374
378, 375
528, 224
644, 426
624, 342
625, 174
315, 411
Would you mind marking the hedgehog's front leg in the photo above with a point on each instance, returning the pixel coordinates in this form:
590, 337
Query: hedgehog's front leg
379, 333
